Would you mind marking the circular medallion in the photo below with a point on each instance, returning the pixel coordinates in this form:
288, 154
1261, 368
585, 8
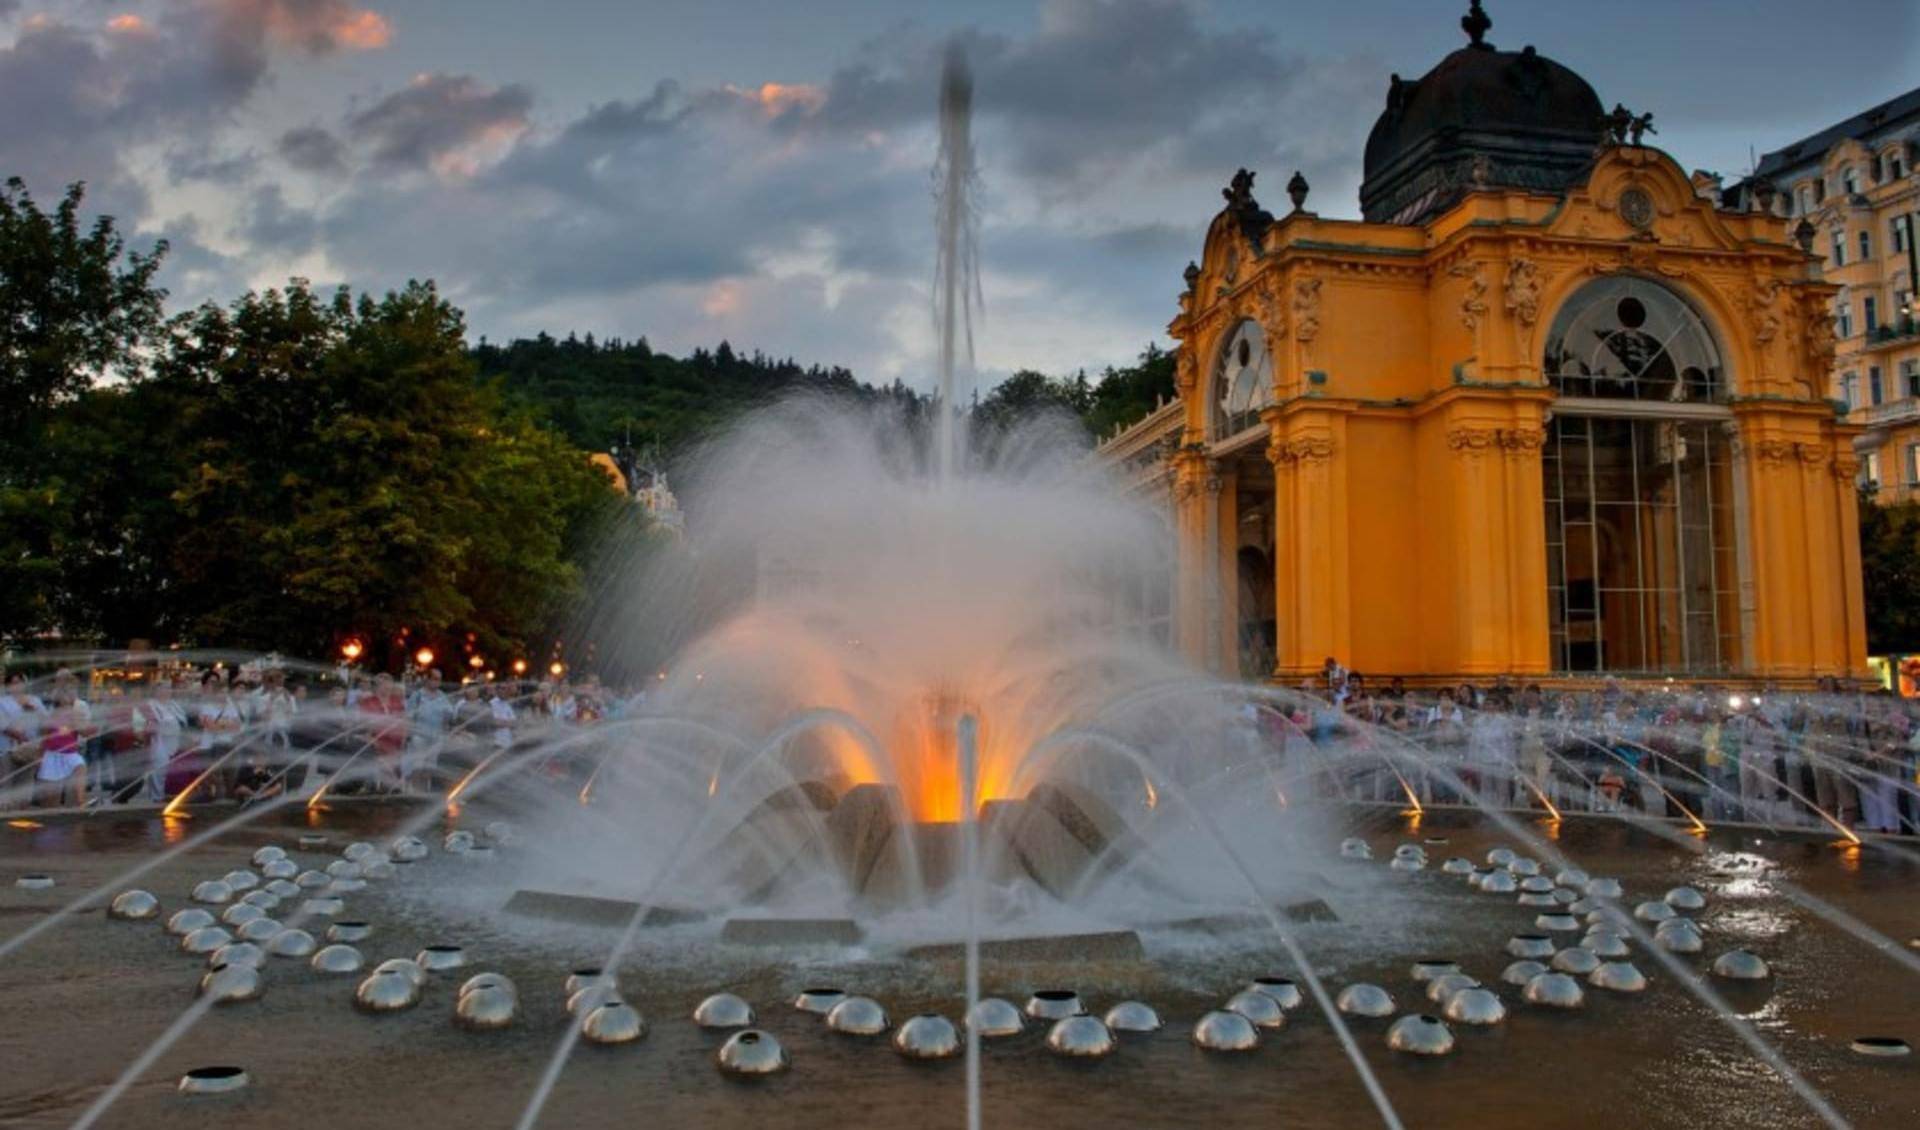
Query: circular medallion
1636, 207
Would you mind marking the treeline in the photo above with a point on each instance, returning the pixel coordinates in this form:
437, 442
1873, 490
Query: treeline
277, 473
604, 393
1119, 397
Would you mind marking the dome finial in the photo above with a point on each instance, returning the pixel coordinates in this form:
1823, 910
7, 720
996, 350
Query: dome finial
1476, 23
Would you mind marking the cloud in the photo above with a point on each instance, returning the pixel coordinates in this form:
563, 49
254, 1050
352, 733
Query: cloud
313, 149
790, 213
317, 27
442, 121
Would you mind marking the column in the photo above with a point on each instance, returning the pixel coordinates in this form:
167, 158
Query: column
1311, 574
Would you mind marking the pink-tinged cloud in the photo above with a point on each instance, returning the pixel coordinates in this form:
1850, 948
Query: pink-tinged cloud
319, 27
128, 24
776, 98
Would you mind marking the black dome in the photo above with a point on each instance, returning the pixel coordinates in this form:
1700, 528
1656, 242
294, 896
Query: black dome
1482, 118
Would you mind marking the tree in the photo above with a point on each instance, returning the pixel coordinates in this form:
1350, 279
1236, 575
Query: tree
1890, 568
75, 306
344, 471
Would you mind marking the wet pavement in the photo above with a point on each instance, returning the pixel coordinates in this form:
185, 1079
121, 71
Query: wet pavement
90, 995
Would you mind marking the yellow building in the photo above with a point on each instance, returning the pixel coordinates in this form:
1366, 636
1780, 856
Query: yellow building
1855, 187
1546, 411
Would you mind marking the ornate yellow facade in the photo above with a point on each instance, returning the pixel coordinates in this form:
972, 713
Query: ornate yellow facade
1531, 433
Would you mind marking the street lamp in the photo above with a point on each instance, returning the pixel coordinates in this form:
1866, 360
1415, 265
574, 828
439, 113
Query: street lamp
519, 666
351, 650
423, 658
476, 661
557, 669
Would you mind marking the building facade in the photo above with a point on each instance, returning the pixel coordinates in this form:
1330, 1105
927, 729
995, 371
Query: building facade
1856, 188
1546, 411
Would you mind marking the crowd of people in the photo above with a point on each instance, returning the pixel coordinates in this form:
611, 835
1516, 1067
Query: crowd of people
1833, 755
1767, 757
252, 732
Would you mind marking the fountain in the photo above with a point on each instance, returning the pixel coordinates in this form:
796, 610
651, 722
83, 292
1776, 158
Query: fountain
933, 747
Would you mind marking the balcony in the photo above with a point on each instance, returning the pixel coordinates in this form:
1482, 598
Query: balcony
1891, 412
1905, 331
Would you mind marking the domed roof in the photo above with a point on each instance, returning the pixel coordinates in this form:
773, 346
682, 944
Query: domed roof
1482, 118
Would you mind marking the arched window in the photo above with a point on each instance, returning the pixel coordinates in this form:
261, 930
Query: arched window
1243, 379
1641, 574
1633, 339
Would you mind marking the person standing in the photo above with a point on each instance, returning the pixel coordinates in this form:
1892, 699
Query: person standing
389, 732
163, 724
21, 713
432, 719
62, 775
500, 709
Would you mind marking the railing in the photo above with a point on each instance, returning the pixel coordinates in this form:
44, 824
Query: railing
1893, 411
1892, 333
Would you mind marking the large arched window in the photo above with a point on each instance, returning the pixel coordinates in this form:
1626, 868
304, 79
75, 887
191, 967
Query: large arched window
1641, 568
1242, 379
1633, 339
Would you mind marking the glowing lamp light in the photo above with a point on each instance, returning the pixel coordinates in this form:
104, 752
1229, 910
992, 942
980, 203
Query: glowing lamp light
519, 666
351, 650
423, 657
557, 669
1735, 701
476, 661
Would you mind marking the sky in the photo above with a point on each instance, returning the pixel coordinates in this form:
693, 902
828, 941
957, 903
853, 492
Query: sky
760, 172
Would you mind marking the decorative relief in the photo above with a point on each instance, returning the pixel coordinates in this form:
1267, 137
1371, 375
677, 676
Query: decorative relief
1761, 312
1186, 368
1523, 291
1514, 442
1818, 334
1474, 303
1306, 309
1271, 313
1846, 468
1301, 449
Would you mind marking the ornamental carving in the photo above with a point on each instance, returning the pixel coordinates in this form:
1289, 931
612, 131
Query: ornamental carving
1473, 304
1301, 449
1846, 468
1306, 309
1766, 322
1523, 291
1186, 370
1271, 313
1514, 442
1819, 335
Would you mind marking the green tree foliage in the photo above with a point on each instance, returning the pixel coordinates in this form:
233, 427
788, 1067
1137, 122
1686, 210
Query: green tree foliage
1890, 568
339, 468
602, 393
75, 307
1120, 397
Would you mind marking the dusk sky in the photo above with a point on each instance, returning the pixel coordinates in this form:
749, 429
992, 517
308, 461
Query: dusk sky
694, 170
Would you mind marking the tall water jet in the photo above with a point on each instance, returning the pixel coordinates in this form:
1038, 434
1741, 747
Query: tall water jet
956, 293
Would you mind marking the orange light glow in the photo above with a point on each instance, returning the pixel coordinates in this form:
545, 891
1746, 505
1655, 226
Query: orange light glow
556, 669
351, 650
423, 657
1553, 812
519, 666
476, 661
1412, 798
25, 825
